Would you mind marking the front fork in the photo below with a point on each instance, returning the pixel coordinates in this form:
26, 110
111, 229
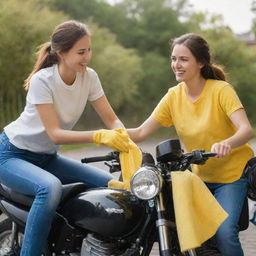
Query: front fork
163, 225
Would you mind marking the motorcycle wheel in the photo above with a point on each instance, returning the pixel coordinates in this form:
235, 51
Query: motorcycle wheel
5, 236
207, 252
208, 248
188, 253
202, 253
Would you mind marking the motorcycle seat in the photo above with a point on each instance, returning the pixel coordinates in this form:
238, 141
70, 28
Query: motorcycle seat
68, 191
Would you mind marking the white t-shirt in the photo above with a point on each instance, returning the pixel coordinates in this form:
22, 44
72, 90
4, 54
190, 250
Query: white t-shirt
47, 87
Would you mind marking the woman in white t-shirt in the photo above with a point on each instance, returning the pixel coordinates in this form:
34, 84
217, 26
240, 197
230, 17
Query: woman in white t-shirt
58, 89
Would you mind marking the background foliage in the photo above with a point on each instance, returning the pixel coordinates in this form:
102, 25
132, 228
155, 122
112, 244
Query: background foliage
130, 50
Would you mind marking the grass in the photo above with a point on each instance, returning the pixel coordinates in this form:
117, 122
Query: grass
74, 146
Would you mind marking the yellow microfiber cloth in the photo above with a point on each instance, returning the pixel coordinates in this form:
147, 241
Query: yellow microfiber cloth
198, 214
130, 162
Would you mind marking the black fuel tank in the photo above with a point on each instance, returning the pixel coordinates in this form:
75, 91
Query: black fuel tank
108, 212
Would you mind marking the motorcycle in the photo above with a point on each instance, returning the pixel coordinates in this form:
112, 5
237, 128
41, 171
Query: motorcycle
109, 222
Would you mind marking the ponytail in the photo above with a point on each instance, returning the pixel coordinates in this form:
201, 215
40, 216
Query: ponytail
212, 71
46, 58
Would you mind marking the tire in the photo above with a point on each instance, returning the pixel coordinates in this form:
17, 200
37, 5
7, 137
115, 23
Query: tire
190, 253
208, 248
5, 236
203, 252
207, 252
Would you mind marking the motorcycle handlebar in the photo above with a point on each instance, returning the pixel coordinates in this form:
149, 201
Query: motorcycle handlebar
115, 156
110, 156
202, 153
199, 156
209, 154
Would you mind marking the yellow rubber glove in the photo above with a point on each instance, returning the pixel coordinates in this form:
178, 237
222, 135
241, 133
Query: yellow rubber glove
113, 138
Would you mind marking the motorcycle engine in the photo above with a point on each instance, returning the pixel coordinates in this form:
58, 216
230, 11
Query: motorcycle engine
94, 245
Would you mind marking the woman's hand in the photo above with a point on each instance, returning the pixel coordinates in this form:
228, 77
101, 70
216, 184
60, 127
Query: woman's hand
222, 149
243, 134
117, 139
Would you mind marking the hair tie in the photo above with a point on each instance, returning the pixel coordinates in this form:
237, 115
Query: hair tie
52, 52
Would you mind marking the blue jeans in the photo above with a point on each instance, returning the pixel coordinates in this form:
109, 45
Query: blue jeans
231, 197
41, 175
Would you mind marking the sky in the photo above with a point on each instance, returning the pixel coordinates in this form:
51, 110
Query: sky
236, 13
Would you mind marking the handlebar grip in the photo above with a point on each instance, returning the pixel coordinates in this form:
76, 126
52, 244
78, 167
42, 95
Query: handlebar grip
108, 157
199, 156
209, 154
94, 159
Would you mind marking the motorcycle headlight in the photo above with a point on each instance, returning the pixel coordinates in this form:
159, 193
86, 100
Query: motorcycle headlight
146, 183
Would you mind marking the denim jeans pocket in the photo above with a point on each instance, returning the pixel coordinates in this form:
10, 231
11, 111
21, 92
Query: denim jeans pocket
6, 145
3, 141
3, 138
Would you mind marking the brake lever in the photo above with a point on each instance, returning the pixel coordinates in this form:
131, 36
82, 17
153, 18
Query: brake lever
197, 157
185, 162
113, 167
200, 156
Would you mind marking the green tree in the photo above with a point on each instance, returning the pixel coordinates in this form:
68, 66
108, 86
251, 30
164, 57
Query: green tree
21, 31
119, 68
239, 63
149, 25
154, 83
146, 25
253, 8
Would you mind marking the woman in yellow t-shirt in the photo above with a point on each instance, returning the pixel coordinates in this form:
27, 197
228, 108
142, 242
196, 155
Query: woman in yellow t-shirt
207, 114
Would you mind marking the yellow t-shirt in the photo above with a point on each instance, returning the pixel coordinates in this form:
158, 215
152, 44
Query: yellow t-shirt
204, 122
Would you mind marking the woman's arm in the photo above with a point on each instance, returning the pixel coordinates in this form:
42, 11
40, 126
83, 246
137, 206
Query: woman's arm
142, 132
243, 135
106, 113
114, 139
58, 135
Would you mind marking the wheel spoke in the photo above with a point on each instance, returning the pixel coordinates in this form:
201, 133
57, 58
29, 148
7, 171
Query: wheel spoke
5, 241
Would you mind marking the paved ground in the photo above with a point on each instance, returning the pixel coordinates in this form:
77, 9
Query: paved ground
248, 237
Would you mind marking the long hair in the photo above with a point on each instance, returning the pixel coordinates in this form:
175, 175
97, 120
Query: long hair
62, 39
201, 51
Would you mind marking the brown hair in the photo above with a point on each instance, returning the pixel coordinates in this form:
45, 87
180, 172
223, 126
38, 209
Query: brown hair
201, 51
63, 38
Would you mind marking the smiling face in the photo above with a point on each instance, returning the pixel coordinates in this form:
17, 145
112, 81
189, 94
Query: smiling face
184, 65
76, 59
